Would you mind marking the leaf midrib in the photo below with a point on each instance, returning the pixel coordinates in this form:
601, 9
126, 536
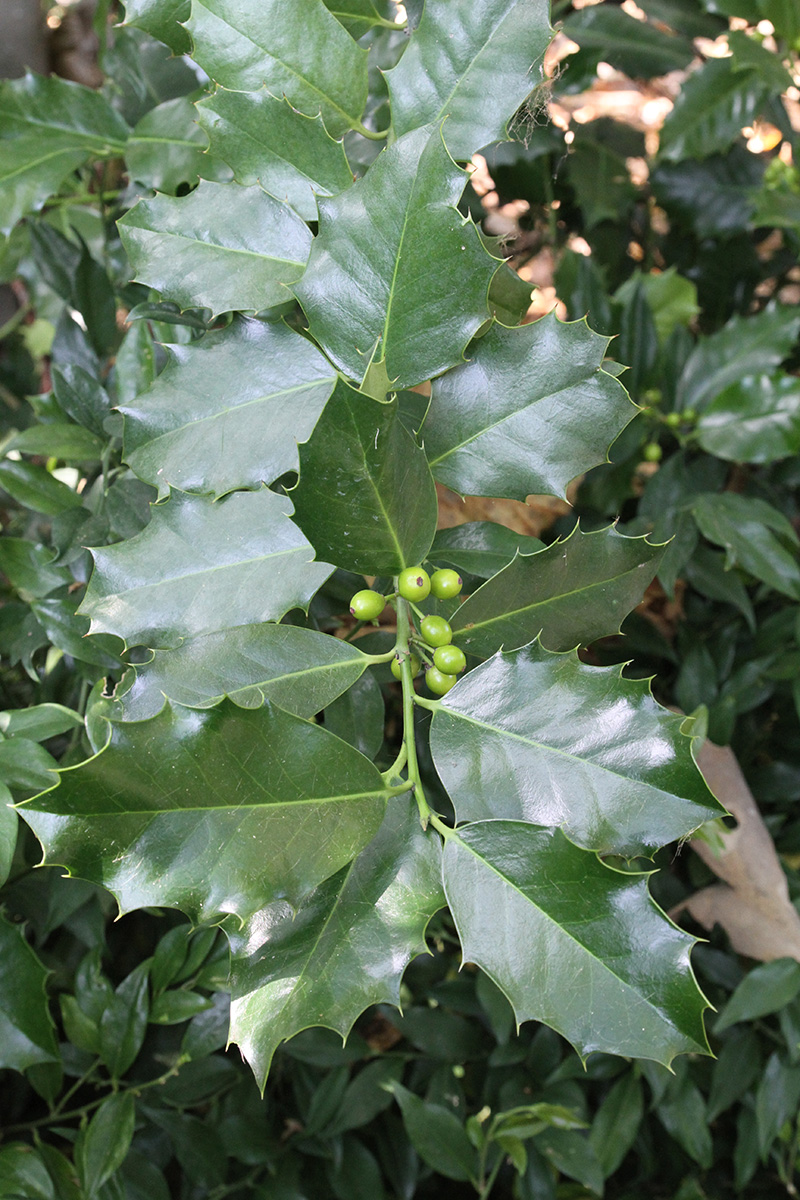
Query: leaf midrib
271, 805
212, 246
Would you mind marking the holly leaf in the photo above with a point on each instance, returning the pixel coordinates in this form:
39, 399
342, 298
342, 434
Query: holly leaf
576, 747
755, 535
27, 1033
192, 430
264, 140
168, 150
639, 48
345, 948
162, 20
362, 291
756, 420
530, 410
201, 566
359, 16
366, 497
294, 48
216, 812
222, 247
567, 594
470, 61
297, 669
49, 128
611, 973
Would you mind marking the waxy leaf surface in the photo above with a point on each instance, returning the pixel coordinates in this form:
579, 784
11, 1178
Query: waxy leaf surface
568, 594
472, 61
711, 109
480, 547
264, 140
573, 943
294, 48
755, 536
215, 812
201, 566
366, 498
527, 413
48, 128
345, 948
160, 18
27, 1033
746, 346
391, 254
228, 412
540, 737
222, 247
298, 669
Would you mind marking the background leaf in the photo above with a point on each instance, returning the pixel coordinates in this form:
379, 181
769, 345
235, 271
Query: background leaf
576, 747
223, 247
529, 411
215, 812
254, 565
755, 535
756, 419
27, 1033
229, 411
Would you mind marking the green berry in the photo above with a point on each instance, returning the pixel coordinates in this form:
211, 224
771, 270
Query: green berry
652, 452
690, 415
673, 420
414, 584
449, 659
367, 605
445, 584
436, 631
438, 682
397, 666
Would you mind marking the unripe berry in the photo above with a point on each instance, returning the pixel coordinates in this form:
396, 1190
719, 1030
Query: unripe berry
436, 631
414, 584
445, 584
396, 667
449, 659
652, 452
438, 682
366, 605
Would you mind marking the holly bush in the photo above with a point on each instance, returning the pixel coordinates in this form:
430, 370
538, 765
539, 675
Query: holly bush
264, 313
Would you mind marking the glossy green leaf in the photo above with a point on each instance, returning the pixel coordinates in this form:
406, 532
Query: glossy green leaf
601, 181
123, 1024
81, 396
576, 747
473, 62
216, 812
34, 487
299, 670
9, 823
711, 109
358, 716
573, 1155
509, 295
345, 948
228, 412
767, 988
480, 547
27, 1033
359, 16
264, 140
638, 48
756, 419
714, 197
754, 535
671, 298
616, 1123
28, 567
529, 411
24, 764
223, 247
70, 443
777, 1098
56, 615
201, 566
48, 128
161, 19
362, 289
39, 722
23, 1174
611, 973
107, 1140
437, 1135
167, 148
746, 346
249, 44
366, 499
569, 593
